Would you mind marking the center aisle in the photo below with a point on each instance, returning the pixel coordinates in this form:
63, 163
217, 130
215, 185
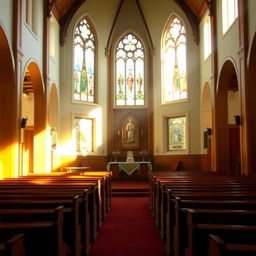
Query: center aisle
129, 230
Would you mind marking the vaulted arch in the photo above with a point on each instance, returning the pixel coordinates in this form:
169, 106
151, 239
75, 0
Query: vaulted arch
34, 148
227, 131
8, 115
251, 106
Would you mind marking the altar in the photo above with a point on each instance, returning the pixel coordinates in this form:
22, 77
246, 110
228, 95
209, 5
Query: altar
129, 170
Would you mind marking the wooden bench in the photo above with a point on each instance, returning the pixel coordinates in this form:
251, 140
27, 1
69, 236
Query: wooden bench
240, 224
42, 229
61, 188
217, 247
12, 245
72, 225
87, 209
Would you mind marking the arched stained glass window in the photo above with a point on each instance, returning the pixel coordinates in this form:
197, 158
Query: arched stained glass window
84, 63
174, 72
129, 72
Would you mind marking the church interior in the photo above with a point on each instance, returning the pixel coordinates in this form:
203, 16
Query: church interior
127, 127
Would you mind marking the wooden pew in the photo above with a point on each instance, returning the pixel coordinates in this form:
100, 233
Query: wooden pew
72, 225
61, 188
236, 188
177, 219
166, 200
73, 180
217, 247
42, 229
87, 209
240, 224
12, 245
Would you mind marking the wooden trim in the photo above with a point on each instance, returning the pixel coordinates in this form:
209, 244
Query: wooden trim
94, 162
193, 20
187, 162
65, 20
110, 38
246, 168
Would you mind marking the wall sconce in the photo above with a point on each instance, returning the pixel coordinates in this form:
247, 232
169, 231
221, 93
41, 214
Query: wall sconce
23, 122
209, 131
237, 119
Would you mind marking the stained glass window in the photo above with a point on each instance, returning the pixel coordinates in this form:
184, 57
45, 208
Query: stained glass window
176, 129
84, 134
207, 37
229, 13
129, 72
174, 66
84, 63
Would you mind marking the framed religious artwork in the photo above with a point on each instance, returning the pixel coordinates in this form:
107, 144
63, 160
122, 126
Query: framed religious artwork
130, 133
177, 133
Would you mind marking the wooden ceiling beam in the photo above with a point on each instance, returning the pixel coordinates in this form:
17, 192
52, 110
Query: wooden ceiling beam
193, 19
65, 20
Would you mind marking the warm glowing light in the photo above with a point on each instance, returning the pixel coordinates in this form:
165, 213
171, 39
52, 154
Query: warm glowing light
97, 114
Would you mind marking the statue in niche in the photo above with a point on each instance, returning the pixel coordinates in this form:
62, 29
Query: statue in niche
130, 132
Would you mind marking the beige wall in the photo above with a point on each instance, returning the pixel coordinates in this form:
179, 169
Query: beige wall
233, 106
251, 20
205, 78
157, 14
6, 14
32, 44
228, 44
102, 19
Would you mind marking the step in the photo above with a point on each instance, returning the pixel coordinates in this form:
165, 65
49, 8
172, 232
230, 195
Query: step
130, 194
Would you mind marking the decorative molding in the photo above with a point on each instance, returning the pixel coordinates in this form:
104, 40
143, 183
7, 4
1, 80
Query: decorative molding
210, 6
151, 47
193, 19
110, 39
50, 5
198, 162
65, 20
107, 49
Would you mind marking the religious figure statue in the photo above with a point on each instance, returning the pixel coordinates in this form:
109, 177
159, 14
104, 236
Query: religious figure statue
139, 83
130, 132
130, 82
176, 78
120, 83
177, 135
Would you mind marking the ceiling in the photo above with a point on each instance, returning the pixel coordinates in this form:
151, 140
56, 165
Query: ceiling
198, 7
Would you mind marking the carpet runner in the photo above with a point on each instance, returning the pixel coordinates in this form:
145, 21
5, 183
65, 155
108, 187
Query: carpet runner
129, 230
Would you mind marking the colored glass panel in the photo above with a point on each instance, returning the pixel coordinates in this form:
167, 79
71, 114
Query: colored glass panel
177, 133
174, 73
84, 63
129, 72
84, 135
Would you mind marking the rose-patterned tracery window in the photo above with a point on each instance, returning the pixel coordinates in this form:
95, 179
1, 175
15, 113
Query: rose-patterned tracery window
174, 66
129, 72
84, 63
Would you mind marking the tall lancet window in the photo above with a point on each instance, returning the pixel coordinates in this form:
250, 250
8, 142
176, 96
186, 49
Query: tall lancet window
84, 63
174, 66
129, 72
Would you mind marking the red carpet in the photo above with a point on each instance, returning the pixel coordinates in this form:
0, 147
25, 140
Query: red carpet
129, 230
130, 185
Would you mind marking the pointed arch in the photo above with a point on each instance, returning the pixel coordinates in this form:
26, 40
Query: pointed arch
8, 114
84, 79
174, 61
129, 71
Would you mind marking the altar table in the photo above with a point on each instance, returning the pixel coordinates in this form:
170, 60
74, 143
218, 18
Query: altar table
129, 168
